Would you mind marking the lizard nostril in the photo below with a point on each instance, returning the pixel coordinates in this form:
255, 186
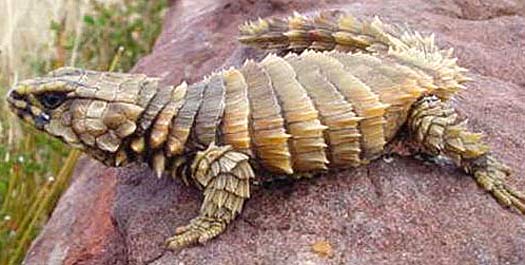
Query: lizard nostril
12, 94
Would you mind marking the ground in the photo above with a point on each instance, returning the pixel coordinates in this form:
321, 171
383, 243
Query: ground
402, 212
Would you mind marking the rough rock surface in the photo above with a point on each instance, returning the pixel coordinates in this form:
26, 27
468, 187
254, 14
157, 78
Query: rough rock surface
403, 212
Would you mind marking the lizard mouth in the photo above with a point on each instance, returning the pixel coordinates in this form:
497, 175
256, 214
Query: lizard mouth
21, 106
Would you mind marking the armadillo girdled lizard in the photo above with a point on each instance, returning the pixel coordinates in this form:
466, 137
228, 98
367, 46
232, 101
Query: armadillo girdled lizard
344, 91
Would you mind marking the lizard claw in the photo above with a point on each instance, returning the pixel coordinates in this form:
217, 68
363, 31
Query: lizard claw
199, 230
509, 197
492, 179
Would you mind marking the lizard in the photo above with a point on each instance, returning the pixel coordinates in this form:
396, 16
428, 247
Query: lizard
340, 92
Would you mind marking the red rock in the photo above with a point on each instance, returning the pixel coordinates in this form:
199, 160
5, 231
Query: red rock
404, 212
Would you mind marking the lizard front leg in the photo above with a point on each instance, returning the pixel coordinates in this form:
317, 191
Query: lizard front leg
225, 175
436, 127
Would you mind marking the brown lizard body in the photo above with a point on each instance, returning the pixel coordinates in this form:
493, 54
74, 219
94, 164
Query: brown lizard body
310, 111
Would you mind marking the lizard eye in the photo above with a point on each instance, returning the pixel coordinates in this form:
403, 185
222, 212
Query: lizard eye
52, 100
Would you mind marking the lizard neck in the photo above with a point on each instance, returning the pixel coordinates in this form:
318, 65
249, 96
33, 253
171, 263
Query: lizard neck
156, 133
164, 138
177, 122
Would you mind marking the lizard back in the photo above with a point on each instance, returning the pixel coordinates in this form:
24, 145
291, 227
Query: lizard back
298, 113
308, 112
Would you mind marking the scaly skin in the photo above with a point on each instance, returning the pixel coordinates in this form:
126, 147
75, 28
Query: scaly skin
294, 115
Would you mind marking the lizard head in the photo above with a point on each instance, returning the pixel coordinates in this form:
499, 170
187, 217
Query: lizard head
90, 110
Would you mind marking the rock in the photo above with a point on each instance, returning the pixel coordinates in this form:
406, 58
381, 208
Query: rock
403, 212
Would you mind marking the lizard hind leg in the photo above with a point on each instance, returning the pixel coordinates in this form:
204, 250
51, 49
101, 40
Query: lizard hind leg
225, 175
438, 130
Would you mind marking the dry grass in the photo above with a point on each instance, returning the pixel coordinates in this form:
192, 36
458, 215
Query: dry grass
29, 186
37, 36
27, 32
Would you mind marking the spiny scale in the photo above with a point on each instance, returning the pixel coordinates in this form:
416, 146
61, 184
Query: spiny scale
307, 143
331, 30
335, 111
302, 112
299, 113
267, 132
291, 115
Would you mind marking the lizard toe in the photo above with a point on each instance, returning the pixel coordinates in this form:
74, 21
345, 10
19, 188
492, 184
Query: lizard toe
199, 230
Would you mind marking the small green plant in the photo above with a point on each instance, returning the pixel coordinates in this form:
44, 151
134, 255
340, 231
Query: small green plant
35, 169
109, 27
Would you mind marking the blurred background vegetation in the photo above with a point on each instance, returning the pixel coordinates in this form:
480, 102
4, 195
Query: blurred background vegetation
37, 36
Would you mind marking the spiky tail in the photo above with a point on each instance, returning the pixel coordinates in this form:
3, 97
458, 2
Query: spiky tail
323, 31
331, 30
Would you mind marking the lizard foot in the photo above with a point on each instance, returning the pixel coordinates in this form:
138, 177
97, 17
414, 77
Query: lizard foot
199, 230
492, 178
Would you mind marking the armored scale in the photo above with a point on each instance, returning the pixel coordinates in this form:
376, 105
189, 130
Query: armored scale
340, 92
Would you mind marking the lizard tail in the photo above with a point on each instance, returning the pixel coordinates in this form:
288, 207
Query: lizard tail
330, 30
326, 30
